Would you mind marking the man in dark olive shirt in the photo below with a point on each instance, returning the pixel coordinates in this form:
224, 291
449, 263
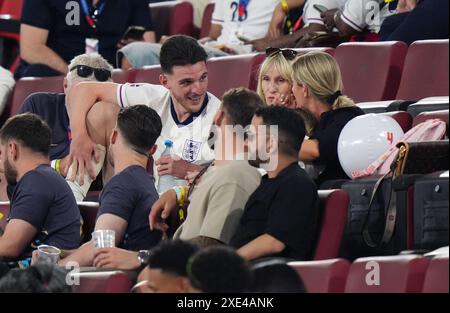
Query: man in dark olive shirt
281, 216
55, 31
127, 198
43, 208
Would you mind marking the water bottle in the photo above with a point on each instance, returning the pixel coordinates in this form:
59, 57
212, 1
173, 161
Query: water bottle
166, 182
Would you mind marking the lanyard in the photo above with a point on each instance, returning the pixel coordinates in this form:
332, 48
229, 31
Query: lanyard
243, 9
92, 18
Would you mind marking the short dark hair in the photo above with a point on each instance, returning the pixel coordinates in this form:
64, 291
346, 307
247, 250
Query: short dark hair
275, 276
181, 50
41, 278
28, 128
291, 127
240, 105
219, 269
171, 256
140, 126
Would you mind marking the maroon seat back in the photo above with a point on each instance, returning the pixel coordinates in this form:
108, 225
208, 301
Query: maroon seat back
436, 278
231, 72
323, 276
88, 211
425, 73
371, 71
206, 20
26, 86
148, 74
102, 282
404, 119
122, 77
397, 274
173, 17
424, 116
334, 205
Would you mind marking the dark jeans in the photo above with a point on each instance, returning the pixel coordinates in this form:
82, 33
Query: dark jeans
429, 20
34, 70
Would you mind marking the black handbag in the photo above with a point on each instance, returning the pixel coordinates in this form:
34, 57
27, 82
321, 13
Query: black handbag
413, 158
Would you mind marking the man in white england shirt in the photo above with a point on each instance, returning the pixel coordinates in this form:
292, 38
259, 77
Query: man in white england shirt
186, 109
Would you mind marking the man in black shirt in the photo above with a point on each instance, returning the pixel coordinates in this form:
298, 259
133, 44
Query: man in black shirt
55, 31
281, 216
126, 200
43, 208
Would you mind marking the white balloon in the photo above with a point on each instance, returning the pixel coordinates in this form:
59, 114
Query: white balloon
364, 139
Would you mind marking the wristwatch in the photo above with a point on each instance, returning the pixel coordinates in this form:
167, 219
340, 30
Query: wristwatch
143, 256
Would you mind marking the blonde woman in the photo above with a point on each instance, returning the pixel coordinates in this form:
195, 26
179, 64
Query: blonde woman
275, 82
275, 77
317, 85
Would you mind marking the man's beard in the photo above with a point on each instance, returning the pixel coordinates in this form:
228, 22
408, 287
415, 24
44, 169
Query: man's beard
10, 173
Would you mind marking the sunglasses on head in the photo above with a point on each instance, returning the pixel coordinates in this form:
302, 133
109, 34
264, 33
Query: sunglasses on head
84, 71
288, 54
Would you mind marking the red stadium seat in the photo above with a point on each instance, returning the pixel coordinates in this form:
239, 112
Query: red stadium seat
422, 117
428, 105
121, 77
148, 74
172, 18
397, 274
26, 86
425, 73
231, 72
334, 205
404, 119
371, 71
206, 20
102, 282
436, 278
88, 211
323, 276
4, 212
12, 7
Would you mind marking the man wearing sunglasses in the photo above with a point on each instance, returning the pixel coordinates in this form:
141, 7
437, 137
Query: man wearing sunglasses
186, 109
100, 121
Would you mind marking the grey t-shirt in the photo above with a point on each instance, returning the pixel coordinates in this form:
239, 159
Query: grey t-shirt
44, 199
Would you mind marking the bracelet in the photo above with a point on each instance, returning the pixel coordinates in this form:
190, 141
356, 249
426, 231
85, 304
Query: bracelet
285, 6
180, 191
58, 166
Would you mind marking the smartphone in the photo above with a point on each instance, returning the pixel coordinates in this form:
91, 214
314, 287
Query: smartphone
242, 38
134, 32
320, 8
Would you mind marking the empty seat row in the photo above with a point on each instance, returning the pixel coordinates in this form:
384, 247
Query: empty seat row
390, 274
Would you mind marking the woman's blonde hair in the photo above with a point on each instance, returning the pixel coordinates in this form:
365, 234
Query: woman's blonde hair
280, 63
321, 74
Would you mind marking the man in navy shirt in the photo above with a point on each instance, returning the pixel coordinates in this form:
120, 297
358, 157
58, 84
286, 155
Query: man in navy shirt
43, 208
55, 31
281, 216
126, 200
52, 107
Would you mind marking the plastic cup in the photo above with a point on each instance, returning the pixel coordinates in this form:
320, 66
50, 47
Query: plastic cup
48, 254
103, 238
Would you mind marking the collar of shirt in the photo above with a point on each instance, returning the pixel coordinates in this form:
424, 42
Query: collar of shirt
283, 173
192, 117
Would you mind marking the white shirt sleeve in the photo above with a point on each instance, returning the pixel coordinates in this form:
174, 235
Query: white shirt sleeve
218, 16
135, 94
359, 14
7, 83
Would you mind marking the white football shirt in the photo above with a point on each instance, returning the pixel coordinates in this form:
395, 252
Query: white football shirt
189, 141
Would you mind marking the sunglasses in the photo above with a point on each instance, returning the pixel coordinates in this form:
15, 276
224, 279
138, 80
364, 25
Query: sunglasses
288, 54
84, 71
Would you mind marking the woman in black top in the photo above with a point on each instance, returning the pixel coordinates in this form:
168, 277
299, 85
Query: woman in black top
317, 89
